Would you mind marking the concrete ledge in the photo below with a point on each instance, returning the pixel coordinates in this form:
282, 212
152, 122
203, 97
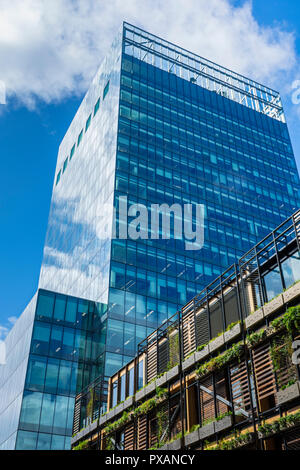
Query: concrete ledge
199, 355
150, 387
128, 403
273, 305
110, 414
292, 292
102, 420
223, 424
161, 380
119, 409
254, 318
288, 394
140, 394
233, 333
173, 373
216, 343
175, 445
207, 430
191, 438
189, 362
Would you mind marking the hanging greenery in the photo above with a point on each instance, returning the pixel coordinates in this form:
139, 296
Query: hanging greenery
173, 349
289, 321
222, 359
83, 445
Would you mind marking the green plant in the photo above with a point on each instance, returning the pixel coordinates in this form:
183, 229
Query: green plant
83, 445
267, 429
117, 424
232, 325
289, 384
219, 361
256, 337
238, 440
90, 405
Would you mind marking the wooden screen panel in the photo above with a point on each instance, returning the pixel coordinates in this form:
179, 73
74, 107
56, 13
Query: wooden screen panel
163, 356
207, 407
142, 433
188, 333
202, 328
129, 437
151, 362
153, 430
292, 439
222, 391
175, 417
264, 376
240, 386
282, 350
76, 419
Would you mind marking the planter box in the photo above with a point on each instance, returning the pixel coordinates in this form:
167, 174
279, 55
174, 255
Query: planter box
288, 394
216, 343
188, 362
110, 414
223, 424
173, 373
140, 394
102, 420
233, 333
150, 387
191, 438
292, 292
199, 355
119, 409
273, 305
93, 426
161, 380
128, 403
207, 430
254, 318
175, 445
164, 447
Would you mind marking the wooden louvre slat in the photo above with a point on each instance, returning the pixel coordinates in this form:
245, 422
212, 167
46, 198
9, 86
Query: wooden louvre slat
129, 437
188, 330
202, 328
152, 362
76, 419
207, 407
142, 433
221, 390
263, 371
240, 386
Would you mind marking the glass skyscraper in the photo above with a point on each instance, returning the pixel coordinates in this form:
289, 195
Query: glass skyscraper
51, 355
161, 125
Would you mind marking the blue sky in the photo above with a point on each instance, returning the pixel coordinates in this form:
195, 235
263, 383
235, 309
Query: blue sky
47, 60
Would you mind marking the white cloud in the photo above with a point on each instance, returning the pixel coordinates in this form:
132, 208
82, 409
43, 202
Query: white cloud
51, 49
12, 320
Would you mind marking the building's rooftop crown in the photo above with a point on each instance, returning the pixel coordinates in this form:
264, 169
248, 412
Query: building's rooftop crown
174, 59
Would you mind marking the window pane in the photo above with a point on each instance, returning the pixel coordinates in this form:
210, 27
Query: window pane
26, 440
36, 373
60, 415
47, 413
31, 409
45, 305
60, 306
52, 375
40, 339
44, 441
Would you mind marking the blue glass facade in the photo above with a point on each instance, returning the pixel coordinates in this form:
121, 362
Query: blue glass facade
181, 143
158, 125
64, 354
